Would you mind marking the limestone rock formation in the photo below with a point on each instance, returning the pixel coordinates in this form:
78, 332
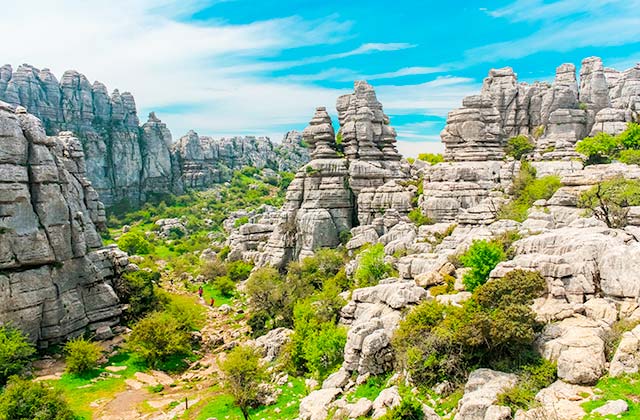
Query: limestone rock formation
56, 281
481, 394
124, 161
554, 115
332, 194
204, 161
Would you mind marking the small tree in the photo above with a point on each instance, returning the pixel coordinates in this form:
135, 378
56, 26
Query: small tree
157, 337
15, 352
519, 146
26, 400
243, 374
599, 148
82, 355
137, 289
610, 200
134, 243
372, 267
225, 285
482, 257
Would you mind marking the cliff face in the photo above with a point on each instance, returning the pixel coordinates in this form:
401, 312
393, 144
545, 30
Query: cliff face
556, 115
55, 277
204, 160
126, 161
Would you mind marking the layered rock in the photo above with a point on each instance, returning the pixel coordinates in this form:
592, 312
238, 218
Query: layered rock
555, 116
56, 280
124, 161
333, 193
204, 161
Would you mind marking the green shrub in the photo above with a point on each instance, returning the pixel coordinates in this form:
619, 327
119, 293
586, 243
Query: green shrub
409, 409
82, 355
15, 352
224, 252
137, 290
431, 158
482, 257
494, 328
189, 317
630, 157
241, 221
519, 146
134, 243
157, 337
418, 218
344, 236
239, 270
225, 285
26, 400
527, 190
532, 378
243, 374
539, 131
371, 266
599, 148
610, 200
630, 138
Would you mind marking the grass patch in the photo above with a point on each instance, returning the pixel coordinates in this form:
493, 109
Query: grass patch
222, 406
370, 389
80, 391
219, 298
623, 388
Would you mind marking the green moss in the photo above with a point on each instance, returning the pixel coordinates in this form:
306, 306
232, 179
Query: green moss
625, 388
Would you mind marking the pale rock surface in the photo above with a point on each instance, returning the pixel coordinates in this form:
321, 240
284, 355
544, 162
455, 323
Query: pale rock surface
315, 406
612, 408
626, 359
272, 343
559, 401
480, 395
387, 399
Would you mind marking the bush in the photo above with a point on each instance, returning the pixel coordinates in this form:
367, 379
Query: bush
519, 146
409, 409
211, 269
81, 355
527, 190
532, 378
630, 157
137, 290
417, 217
240, 221
243, 375
27, 400
157, 337
134, 243
225, 285
431, 158
610, 200
482, 257
371, 266
630, 138
239, 270
494, 328
15, 352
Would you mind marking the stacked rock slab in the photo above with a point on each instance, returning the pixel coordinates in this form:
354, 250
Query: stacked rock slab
554, 115
333, 193
204, 161
55, 280
124, 162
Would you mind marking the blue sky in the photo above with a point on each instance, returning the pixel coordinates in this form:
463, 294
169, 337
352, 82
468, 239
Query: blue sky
260, 67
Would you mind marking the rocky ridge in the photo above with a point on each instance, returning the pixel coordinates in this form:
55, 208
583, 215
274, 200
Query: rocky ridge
56, 279
128, 162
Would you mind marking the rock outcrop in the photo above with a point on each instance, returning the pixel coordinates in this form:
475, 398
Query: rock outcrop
554, 115
56, 280
204, 161
344, 184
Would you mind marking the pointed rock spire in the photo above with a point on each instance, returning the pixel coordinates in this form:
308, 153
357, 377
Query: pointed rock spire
320, 136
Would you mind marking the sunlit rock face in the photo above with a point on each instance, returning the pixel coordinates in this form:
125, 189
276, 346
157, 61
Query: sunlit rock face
56, 280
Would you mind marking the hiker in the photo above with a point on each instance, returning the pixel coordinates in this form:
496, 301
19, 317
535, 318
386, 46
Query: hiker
212, 302
200, 291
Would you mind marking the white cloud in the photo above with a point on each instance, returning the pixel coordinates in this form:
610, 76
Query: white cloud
532, 10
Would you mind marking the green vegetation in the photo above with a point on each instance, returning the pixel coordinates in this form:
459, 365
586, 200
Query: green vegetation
409, 409
241, 221
159, 337
527, 190
82, 355
134, 243
494, 328
243, 374
15, 352
481, 257
372, 267
417, 217
370, 389
431, 158
519, 146
532, 377
603, 147
26, 400
609, 200
625, 388
137, 290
